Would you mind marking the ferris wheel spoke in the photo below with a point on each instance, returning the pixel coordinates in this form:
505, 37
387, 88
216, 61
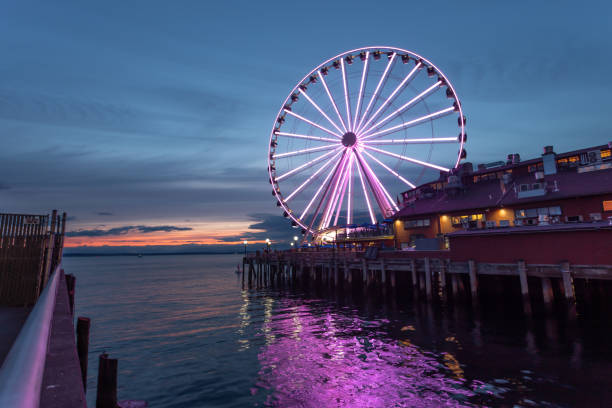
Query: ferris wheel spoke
303, 151
333, 101
394, 94
402, 108
365, 194
305, 165
312, 177
381, 82
346, 95
425, 140
390, 170
313, 103
337, 203
327, 185
330, 201
383, 198
364, 78
347, 177
323, 128
349, 198
309, 137
405, 125
408, 159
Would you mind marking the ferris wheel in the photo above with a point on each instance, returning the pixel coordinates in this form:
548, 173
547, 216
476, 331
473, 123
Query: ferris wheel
358, 128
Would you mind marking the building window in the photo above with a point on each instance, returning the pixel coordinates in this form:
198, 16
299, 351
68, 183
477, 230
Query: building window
605, 153
535, 212
417, 223
466, 219
595, 216
607, 205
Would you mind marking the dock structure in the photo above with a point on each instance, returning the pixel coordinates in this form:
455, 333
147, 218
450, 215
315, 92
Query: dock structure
431, 275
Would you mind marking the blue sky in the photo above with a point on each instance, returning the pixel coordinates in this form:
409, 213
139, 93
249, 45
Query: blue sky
158, 113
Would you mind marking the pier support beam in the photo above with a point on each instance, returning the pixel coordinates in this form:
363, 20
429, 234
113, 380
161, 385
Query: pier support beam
415, 283
428, 278
547, 293
568, 284
522, 271
82, 332
473, 279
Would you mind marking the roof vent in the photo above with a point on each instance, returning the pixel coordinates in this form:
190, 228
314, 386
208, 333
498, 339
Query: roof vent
548, 149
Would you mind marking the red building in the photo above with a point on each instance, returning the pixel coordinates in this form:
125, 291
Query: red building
554, 208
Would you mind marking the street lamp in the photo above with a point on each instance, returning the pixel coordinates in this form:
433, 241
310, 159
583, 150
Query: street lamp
295, 238
268, 243
245, 244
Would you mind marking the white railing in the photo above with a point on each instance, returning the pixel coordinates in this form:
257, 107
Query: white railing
21, 373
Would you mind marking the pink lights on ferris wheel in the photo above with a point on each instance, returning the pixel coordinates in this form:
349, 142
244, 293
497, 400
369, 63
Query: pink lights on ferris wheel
317, 164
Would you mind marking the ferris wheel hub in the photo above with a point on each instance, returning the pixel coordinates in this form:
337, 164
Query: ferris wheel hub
349, 139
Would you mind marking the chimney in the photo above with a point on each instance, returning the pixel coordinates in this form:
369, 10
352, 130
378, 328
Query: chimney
549, 160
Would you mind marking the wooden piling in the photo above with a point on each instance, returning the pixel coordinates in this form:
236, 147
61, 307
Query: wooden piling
106, 396
428, 278
547, 293
473, 279
522, 272
568, 285
414, 274
82, 332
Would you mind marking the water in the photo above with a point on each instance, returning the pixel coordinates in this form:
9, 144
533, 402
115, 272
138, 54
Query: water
187, 335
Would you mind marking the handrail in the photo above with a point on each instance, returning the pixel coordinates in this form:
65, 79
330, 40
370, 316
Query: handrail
21, 373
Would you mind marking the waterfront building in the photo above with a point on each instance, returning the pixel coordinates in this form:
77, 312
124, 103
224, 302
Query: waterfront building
556, 205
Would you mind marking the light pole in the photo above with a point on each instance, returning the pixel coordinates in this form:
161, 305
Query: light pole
268, 243
245, 244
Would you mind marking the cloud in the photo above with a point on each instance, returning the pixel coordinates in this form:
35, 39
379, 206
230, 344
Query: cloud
105, 213
124, 230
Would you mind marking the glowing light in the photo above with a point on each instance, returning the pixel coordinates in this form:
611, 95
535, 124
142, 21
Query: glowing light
320, 110
365, 193
306, 165
390, 170
361, 88
330, 201
346, 95
309, 179
411, 123
331, 98
304, 151
380, 185
318, 191
323, 128
349, 214
402, 108
382, 80
391, 97
298, 136
409, 159
411, 141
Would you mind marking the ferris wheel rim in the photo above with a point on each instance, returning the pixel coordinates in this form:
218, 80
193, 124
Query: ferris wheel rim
396, 50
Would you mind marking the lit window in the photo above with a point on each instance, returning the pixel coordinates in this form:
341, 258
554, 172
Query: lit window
554, 210
574, 159
605, 153
607, 205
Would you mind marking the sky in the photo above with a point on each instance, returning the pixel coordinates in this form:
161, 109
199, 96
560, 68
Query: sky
148, 122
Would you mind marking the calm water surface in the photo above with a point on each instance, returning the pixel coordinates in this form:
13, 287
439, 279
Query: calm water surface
188, 335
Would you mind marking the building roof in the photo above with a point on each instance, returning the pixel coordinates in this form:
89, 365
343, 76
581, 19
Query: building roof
484, 194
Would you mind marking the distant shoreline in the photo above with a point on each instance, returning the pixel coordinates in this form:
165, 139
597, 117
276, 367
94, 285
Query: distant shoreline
81, 255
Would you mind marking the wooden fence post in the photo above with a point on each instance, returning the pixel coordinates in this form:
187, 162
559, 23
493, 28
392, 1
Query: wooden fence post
107, 382
82, 331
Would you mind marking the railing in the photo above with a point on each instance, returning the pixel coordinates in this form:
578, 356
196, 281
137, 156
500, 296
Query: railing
30, 249
21, 374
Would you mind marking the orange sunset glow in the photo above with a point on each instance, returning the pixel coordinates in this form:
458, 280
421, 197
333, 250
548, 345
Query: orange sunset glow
215, 233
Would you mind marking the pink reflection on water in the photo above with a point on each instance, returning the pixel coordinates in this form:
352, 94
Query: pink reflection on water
332, 360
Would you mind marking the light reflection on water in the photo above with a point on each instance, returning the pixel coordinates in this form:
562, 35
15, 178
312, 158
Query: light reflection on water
188, 335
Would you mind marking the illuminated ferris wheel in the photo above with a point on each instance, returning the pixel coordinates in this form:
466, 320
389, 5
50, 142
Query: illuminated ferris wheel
358, 128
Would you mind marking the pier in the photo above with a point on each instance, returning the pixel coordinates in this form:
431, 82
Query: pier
429, 275
42, 365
